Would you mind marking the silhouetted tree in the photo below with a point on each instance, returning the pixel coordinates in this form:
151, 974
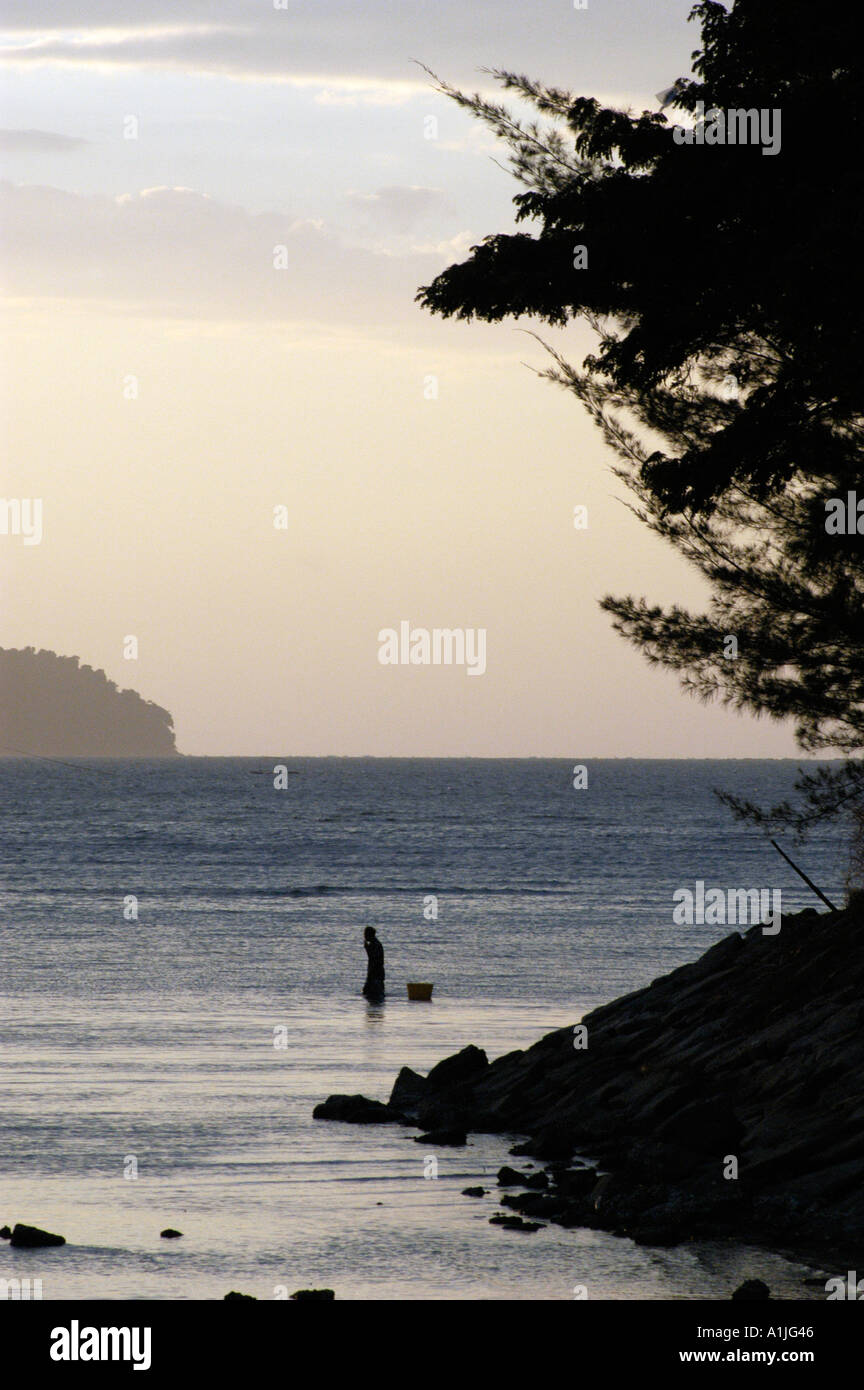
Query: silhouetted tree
783, 633
725, 287
704, 263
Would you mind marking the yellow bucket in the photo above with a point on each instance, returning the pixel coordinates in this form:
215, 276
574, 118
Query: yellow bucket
418, 989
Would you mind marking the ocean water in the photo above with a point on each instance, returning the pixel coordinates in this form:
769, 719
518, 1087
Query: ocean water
161, 1071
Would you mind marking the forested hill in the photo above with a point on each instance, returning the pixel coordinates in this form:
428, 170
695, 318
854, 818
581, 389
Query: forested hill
51, 705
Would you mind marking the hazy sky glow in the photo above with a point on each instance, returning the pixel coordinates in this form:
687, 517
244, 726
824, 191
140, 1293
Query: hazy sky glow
165, 387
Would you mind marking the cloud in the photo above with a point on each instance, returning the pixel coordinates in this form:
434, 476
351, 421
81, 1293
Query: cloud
348, 92
174, 251
334, 42
38, 142
401, 206
43, 16
454, 248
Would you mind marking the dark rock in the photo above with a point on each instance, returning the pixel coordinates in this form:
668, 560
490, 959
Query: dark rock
535, 1204
515, 1223
576, 1182
442, 1113
409, 1089
578, 1213
445, 1138
170, 1234
473, 1191
467, 1065
656, 1233
756, 1050
752, 1290
31, 1238
600, 1193
553, 1141
706, 1125
448, 1098
356, 1110
5, 1232
326, 1294
511, 1177
235, 1297
538, 1181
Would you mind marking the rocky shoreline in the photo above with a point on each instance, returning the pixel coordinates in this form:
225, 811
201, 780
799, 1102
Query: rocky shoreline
725, 1100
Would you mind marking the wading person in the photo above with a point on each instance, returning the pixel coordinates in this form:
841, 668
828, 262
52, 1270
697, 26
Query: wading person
374, 986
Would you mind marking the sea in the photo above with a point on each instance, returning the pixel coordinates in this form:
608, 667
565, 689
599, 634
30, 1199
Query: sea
181, 966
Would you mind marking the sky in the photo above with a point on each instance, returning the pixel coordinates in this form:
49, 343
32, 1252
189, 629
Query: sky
254, 452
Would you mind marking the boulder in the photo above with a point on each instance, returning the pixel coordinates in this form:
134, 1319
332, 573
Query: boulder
356, 1110
235, 1297
325, 1294
515, 1223
442, 1113
5, 1232
31, 1238
446, 1138
552, 1141
408, 1090
752, 1290
535, 1204
511, 1177
658, 1232
170, 1234
467, 1065
575, 1182
473, 1191
578, 1213
707, 1125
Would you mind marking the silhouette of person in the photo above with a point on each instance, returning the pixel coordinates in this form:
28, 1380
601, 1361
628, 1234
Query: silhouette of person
374, 986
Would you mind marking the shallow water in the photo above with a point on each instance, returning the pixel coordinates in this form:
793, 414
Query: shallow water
197, 1039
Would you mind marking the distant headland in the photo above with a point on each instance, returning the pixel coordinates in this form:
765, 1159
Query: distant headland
51, 705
